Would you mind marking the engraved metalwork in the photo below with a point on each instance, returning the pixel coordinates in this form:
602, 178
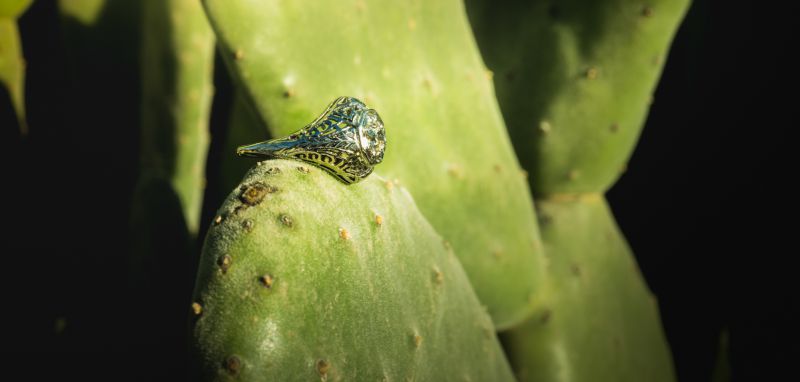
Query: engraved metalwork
347, 141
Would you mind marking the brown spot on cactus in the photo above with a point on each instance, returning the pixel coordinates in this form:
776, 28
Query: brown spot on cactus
254, 193
497, 168
455, 171
218, 220
573, 175
247, 225
614, 127
544, 219
497, 254
266, 280
545, 317
427, 83
647, 11
438, 276
322, 367
344, 234
303, 169
591, 73
524, 174
238, 55
224, 263
273, 171
288, 93
233, 365
286, 220
416, 339
656, 60
575, 269
489, 74
197, 309
378, 220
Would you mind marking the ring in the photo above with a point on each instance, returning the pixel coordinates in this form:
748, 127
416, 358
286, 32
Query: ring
347, 140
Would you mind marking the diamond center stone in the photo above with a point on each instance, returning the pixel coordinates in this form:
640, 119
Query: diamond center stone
372, 135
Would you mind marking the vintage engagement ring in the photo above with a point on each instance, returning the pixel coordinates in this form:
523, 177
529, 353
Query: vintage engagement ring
347, 141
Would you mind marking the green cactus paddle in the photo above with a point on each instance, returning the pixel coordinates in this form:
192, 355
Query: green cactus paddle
177, 73
600, 322
417, 65
305, 278
575, 80
12, 64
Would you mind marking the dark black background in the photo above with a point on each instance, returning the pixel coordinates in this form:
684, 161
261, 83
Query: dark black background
706, 202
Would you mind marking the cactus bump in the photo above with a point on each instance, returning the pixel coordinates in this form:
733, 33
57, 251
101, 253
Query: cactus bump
305, 278
418, 65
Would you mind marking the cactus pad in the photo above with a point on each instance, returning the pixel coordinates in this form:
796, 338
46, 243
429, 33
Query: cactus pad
418, 66
575, 80
304, 278
599, 322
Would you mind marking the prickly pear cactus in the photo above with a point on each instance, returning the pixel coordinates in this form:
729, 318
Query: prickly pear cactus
599, 322
417, 64
177, 54
177, 74
12, 64
575, 80
305, 278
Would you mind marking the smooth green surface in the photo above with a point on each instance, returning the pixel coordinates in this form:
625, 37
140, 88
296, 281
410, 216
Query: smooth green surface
12, 68
85, 12
13, 8
599, 323
361, 288
177, 75
416, 63
575, 80
12, 63
243, 128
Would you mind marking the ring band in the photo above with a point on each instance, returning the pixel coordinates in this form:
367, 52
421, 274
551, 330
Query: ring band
347, 141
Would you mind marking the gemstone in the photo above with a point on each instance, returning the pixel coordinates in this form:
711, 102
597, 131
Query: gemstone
372, 135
